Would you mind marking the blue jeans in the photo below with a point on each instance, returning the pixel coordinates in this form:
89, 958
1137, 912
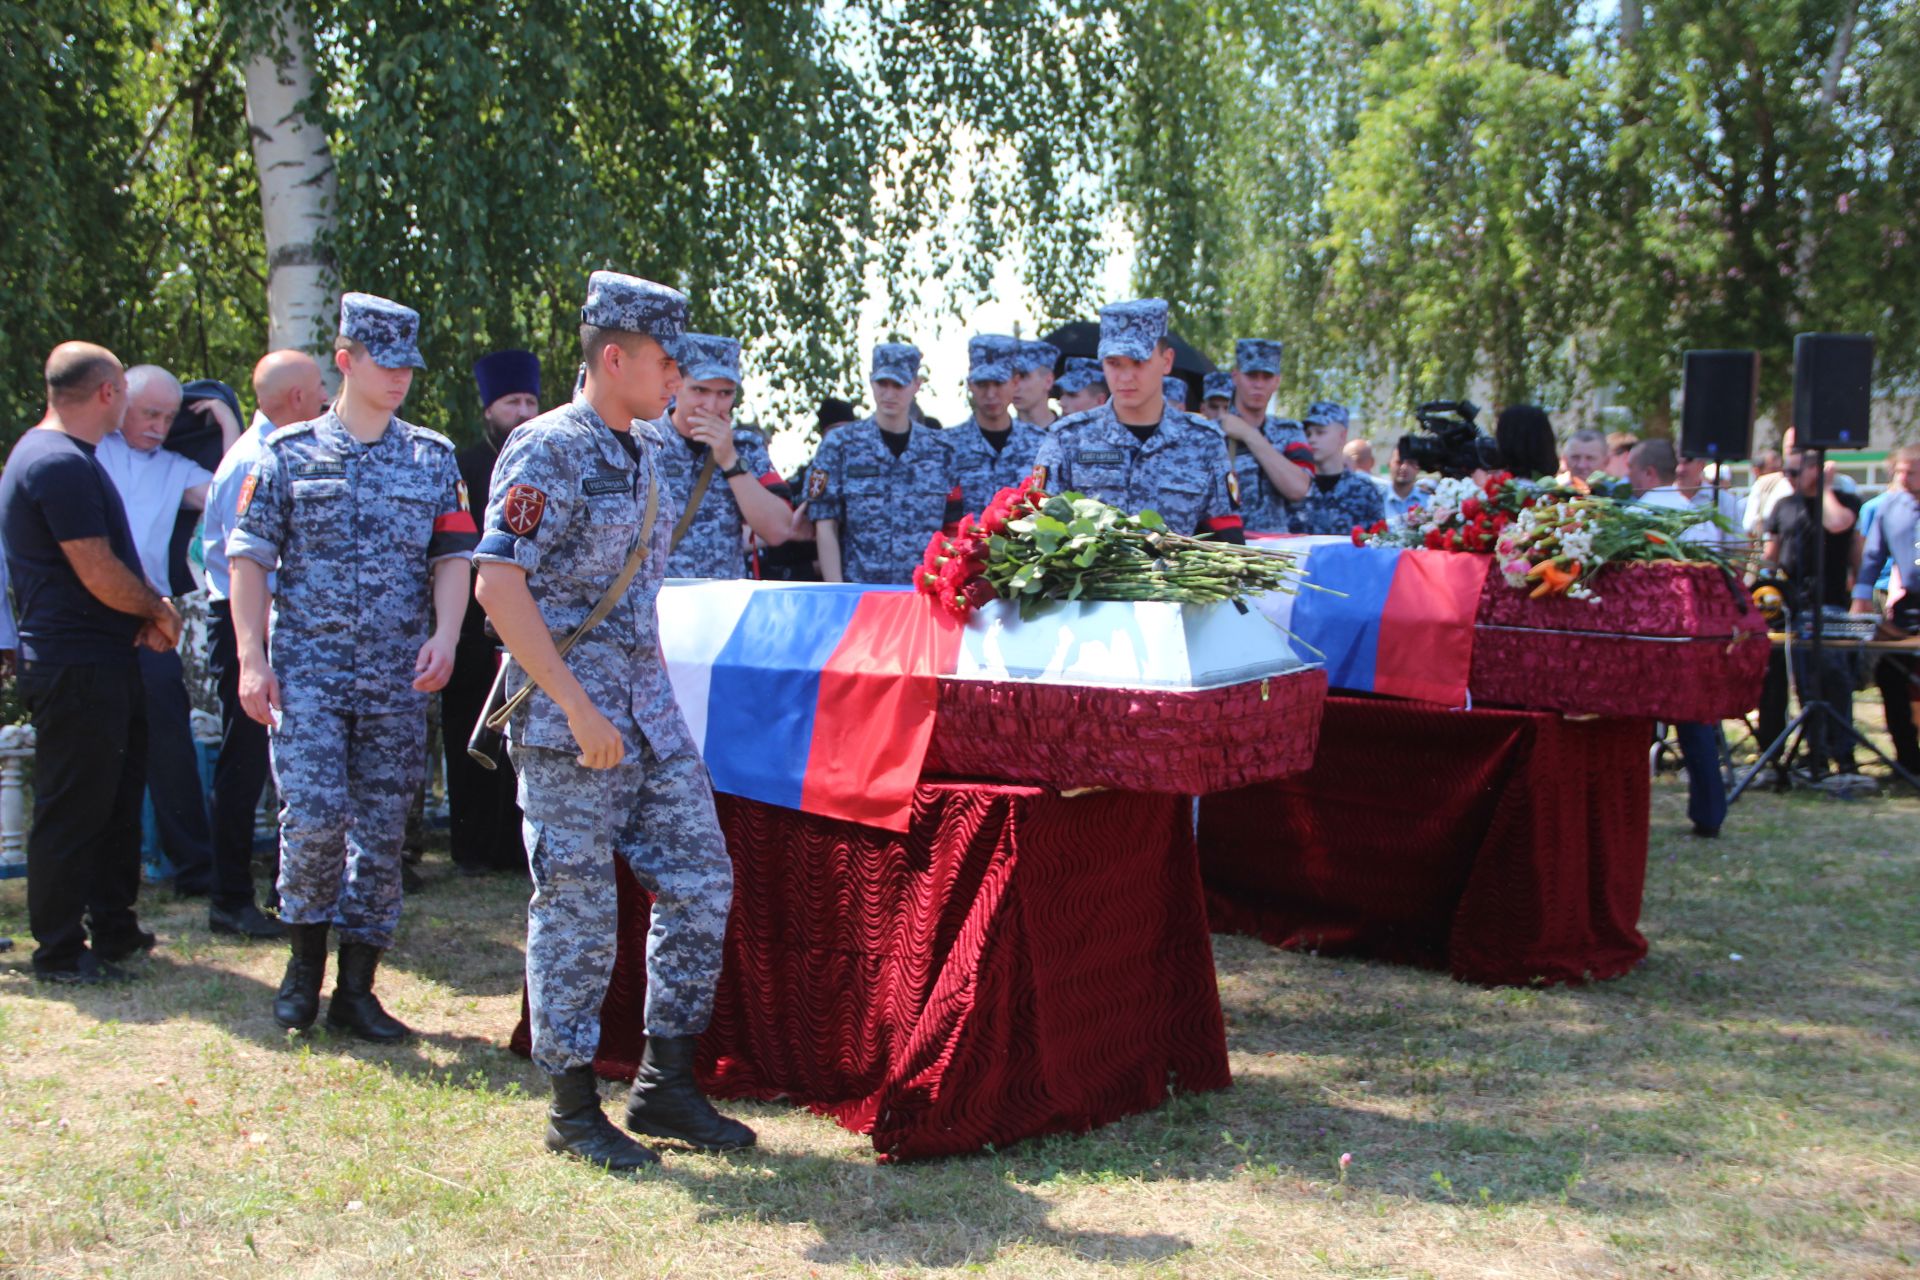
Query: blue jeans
1706, 785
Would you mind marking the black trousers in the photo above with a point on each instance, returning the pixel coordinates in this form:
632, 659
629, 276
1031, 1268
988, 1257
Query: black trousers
1833, 684
1899, 684
482, 805
89, 771
173, 773
239, 773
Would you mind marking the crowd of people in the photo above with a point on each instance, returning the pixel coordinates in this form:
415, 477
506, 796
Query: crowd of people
349, 581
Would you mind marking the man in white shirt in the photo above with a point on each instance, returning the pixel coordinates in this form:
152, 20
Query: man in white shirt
154, 484
1690, 482
1652, 468
287, 388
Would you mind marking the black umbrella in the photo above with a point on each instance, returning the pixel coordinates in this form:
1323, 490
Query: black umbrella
1082, 338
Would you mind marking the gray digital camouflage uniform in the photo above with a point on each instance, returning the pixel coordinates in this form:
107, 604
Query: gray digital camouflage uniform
981, 470
712, 546
1180, 472
567, 505
887, 507
353, 530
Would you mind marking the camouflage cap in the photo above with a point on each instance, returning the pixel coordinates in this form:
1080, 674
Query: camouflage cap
1175, 391
895, 362
1132, 329
990, 357
389, 331
1035, 356
1326, 413
1218, 384
1081, 372
633, 305
704, 356
1257, 355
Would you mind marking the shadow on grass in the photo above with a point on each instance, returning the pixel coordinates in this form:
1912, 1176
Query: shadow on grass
177, 984
944, 1213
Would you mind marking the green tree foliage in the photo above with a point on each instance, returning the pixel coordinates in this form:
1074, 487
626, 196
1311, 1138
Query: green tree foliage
776, 160
1419, 193
133, 217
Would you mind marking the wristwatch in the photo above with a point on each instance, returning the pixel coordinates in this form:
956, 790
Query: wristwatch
737, 469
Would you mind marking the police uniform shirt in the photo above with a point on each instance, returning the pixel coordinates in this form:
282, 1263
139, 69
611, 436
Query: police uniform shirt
567, 505
353, 529
887, 507
981, 470
1180, 471
711, 547
1261, 505
1350, 501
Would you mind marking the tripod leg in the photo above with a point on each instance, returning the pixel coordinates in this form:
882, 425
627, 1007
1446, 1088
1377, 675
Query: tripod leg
1849, 728
1779, 751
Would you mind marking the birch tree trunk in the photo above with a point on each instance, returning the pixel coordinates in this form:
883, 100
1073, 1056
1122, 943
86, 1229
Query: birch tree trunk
296, 183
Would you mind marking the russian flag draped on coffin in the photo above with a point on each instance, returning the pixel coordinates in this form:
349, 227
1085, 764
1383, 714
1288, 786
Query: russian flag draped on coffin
822, 697
1385, 620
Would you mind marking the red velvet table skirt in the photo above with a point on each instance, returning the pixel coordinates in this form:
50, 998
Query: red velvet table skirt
1508, 847
1017, 963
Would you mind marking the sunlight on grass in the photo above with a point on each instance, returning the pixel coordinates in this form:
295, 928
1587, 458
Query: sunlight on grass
1705, 1116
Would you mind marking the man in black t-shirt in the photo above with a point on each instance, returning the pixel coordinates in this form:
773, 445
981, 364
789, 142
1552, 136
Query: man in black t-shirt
1799, 528
84, 603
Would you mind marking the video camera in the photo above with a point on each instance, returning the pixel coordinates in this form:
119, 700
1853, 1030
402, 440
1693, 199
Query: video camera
1453, 444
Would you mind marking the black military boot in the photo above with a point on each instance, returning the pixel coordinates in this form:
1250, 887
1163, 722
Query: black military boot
576, 1126
354, 1007
666, 1103
297, 1003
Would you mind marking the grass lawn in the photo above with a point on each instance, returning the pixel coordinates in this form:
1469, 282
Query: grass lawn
1746, 1104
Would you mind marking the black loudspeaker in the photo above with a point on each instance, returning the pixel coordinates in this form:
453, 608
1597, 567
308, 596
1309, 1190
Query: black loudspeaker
1716, 406
1832, 390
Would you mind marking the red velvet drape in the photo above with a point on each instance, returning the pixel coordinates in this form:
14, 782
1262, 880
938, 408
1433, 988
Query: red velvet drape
1017, 963
1505, 846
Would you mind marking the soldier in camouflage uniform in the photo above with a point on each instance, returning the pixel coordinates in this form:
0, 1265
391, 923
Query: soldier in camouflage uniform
1137, 451
1216, 393
879, 488
1339, 500
607, 768
743, 491
1174, 391
992, 449
1271, 461
365, 518
1032, 382
1081, 386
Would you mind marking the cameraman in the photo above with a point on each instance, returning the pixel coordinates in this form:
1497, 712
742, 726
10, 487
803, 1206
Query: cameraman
1797, 531
1339, 500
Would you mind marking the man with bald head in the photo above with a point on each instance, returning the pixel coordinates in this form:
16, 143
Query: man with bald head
287, 388
84, 604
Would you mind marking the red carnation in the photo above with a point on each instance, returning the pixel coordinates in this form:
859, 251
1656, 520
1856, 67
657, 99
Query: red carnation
978, 592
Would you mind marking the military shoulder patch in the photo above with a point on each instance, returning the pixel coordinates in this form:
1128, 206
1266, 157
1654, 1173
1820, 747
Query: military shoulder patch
522, 509
816, 483
460, 487
247, 487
